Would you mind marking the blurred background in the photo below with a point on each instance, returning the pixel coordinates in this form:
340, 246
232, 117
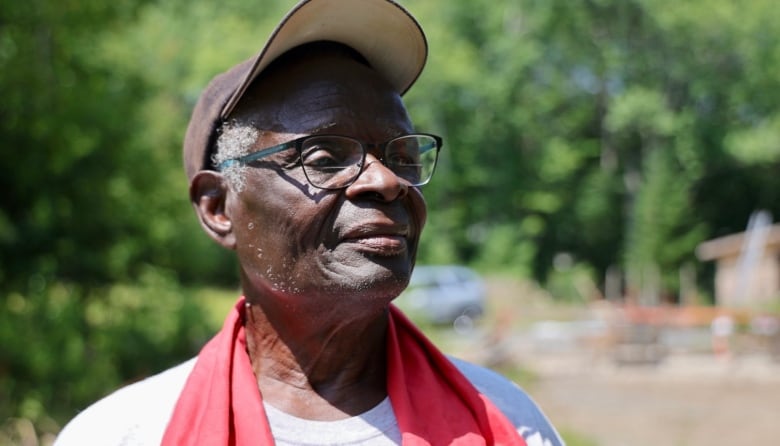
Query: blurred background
609, 177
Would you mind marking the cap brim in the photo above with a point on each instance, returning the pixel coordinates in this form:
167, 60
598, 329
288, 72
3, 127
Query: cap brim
382, 31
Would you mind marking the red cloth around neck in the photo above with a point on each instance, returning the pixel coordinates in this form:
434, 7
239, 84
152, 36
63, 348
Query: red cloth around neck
432, 401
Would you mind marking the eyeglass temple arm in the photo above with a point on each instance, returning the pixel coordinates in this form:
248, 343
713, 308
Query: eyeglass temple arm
246, 159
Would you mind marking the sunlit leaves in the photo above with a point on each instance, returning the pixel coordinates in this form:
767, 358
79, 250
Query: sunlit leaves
756, 144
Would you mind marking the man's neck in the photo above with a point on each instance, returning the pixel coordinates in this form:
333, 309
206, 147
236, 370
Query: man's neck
311, 368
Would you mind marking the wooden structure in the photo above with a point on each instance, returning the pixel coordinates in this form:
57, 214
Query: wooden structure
747, 267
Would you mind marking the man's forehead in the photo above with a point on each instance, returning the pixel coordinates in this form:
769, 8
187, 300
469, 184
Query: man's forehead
332, 98
316, 98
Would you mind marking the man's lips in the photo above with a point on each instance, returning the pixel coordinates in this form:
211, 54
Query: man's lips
380, 238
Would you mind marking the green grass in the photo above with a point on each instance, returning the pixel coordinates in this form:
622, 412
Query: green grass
572, 438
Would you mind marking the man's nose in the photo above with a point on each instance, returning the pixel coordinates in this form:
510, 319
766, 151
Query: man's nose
378, 179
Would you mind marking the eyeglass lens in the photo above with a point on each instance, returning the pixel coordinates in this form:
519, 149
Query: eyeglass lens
333, 162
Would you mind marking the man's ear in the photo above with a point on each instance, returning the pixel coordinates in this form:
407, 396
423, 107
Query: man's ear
208, 193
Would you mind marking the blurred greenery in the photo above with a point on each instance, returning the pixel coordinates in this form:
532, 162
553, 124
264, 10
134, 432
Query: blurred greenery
576, 439
606, 133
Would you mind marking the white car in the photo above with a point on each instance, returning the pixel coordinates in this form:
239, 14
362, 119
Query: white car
445, 294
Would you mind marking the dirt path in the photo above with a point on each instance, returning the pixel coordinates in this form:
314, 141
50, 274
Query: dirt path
684, 402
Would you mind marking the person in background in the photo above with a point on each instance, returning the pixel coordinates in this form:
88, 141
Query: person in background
304, 162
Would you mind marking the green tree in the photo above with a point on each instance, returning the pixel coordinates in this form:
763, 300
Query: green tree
622, 129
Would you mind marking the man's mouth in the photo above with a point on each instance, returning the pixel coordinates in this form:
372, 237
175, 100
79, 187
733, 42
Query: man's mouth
380, 239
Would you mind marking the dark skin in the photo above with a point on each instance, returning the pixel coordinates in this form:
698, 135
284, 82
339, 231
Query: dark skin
318, 268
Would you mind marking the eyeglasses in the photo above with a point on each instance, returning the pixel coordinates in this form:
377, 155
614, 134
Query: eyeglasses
334, 162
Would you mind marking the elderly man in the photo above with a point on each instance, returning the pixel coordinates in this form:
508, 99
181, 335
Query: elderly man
304, 162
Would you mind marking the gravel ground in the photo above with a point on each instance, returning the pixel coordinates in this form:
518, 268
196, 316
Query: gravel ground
682, 402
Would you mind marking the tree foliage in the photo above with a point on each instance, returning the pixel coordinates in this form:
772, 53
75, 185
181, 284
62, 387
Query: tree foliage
601, 129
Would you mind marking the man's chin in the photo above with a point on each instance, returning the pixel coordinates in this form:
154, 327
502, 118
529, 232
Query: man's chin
379, 277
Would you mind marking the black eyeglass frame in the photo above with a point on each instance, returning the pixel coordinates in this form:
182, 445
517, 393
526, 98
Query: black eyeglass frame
298, 145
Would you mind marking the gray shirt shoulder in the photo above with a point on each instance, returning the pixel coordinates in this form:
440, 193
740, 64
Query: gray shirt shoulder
514, 402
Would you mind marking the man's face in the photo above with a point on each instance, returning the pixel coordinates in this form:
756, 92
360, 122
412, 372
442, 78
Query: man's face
355, 245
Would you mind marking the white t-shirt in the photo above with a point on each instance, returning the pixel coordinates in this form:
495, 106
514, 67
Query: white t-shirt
138, 414
376, 427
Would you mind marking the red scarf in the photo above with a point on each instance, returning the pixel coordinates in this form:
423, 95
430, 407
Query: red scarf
432, 401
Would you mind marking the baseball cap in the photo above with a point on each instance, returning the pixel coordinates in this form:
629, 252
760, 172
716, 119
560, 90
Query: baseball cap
382, 31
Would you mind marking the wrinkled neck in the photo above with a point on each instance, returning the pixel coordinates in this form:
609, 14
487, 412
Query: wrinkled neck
317, 366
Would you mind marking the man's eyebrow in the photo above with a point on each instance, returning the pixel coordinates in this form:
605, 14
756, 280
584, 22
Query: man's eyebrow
323, 127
